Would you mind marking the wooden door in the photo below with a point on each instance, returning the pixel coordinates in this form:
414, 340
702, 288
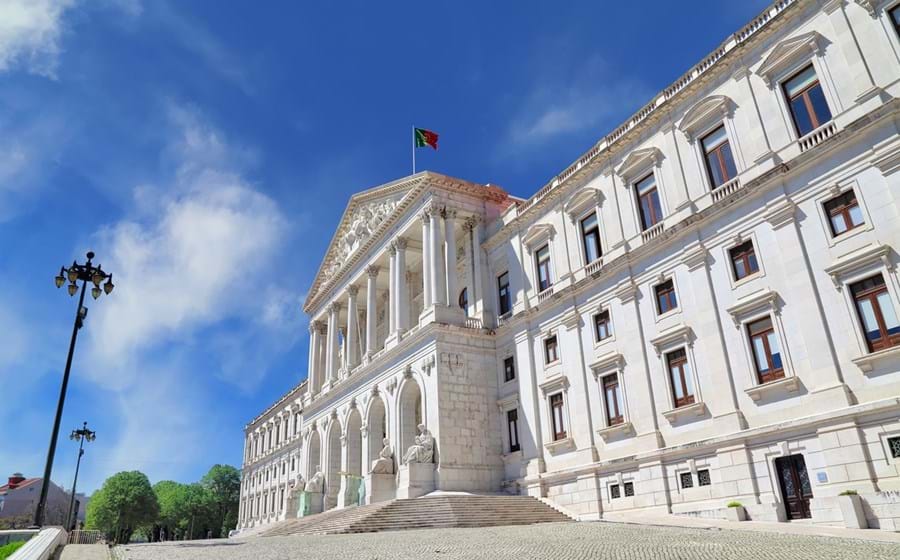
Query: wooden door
795, 486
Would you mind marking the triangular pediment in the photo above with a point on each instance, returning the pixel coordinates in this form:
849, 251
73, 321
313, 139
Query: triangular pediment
787, 53
638, 161
708, 111
370, 213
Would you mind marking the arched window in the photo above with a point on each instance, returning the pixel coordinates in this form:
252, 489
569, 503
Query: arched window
464, 300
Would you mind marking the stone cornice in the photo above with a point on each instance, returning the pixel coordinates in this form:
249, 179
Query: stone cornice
293, 393
719, 63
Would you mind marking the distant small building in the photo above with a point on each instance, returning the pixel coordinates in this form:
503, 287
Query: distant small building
20, 495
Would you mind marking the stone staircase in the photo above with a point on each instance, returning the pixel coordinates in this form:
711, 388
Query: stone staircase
428, 512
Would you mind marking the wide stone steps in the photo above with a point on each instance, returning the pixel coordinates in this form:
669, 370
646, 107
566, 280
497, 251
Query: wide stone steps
429, 512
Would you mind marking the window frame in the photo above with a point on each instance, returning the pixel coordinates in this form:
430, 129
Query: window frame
807, 102
509, 364
595, 324
594, 232
543, 265
886, 339
619, 417
717, 150
690, 397
501, 299
556, 402
674, 296
844, 211
512, 429
745, 256
773, 373
639, 197
546, 347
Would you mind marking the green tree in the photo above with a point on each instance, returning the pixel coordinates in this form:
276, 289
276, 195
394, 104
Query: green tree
223, 482
124, 504
172, 498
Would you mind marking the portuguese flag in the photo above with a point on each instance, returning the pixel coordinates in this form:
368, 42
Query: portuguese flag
425, 138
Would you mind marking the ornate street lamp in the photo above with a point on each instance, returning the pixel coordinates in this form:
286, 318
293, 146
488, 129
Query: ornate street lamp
80, 436
85, 273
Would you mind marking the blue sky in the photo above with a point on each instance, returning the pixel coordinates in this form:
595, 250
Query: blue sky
205, 151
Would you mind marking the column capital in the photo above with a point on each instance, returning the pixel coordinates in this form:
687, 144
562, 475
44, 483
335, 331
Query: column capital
448, 213
392, 249
471, 222
335, 307
425, 215
399, 243
352, 290
321, 327
372, 270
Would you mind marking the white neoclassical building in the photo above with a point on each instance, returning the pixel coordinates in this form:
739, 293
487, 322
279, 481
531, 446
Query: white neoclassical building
702, 308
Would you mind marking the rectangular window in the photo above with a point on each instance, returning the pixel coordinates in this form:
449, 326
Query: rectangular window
766, 352
743, 260
509, 369
703, 478
542, 261
844, 213
612, 394
687, 481
806, 101
665, 297
876, 313
680, 378
719, 161
614, 491
648, 201
894, 447
503, 293
629, 489
602, 328
551, 350
512, 424
557, 416
590, 236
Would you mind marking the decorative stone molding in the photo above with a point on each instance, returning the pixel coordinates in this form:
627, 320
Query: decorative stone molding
704, 114
554, 384
626, 292
335, 306
851, 262
581, 201
781, 213
872, 6
620, 429
537, 234
766, 300
681, 334
372, 270
361, 223
637, 162
400, 243
508, 403
695, 409
787, 53
407, 372
427, 365
868, 362
352, 290
560, 446
607, 363
790, 384
391, 386
696, 257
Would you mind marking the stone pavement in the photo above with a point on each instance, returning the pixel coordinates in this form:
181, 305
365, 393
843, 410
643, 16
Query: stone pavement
563, 541
85, 552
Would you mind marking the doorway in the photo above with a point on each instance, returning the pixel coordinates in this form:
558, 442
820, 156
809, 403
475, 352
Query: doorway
795, 487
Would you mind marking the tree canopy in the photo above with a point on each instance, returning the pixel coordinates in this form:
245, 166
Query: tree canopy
123, 504
223, 482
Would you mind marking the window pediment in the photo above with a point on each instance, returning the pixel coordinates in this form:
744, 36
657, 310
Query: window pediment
706, 113
607, 363
788, 53
766, 300
868, 255
554, 384
682, 334
537, 234
639, 161
581, 200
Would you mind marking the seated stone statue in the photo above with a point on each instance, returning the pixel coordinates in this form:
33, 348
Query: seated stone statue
316, 484
384, 464
422, 451
298, 485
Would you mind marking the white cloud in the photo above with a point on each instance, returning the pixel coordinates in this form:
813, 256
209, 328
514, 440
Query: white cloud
569, 102
30, 32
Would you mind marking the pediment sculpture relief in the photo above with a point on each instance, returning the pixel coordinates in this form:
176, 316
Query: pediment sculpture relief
364, 220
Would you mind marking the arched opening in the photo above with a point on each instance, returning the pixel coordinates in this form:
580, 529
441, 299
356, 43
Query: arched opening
377, 423
314, 455
410, 415
333, 464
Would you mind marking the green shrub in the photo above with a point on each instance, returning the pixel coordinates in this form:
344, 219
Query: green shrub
7, 550
848, 493
735, 504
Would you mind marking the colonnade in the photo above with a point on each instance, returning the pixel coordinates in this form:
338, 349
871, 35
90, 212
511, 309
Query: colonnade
338, 340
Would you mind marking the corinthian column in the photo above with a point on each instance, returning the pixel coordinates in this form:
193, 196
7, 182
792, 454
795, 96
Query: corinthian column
450, 236
332, 358
402, 320
352, 337
371, 308
312, 376
426, 260
392, 290
436, 260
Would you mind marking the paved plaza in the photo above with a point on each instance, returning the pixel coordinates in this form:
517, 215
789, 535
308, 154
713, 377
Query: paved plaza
563, 541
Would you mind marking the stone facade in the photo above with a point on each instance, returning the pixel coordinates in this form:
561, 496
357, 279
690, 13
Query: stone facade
672, 323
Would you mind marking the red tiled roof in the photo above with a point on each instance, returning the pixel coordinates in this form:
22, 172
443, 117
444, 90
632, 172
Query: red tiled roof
22, 484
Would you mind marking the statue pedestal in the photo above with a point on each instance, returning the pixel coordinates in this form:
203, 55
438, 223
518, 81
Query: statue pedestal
416, 479
292, 511
310, 503
380, 488
348, 495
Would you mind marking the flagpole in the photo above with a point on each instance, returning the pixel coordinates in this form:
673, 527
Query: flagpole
414, 149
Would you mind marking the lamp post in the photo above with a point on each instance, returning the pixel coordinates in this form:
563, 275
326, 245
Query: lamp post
77, 272
80, 436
